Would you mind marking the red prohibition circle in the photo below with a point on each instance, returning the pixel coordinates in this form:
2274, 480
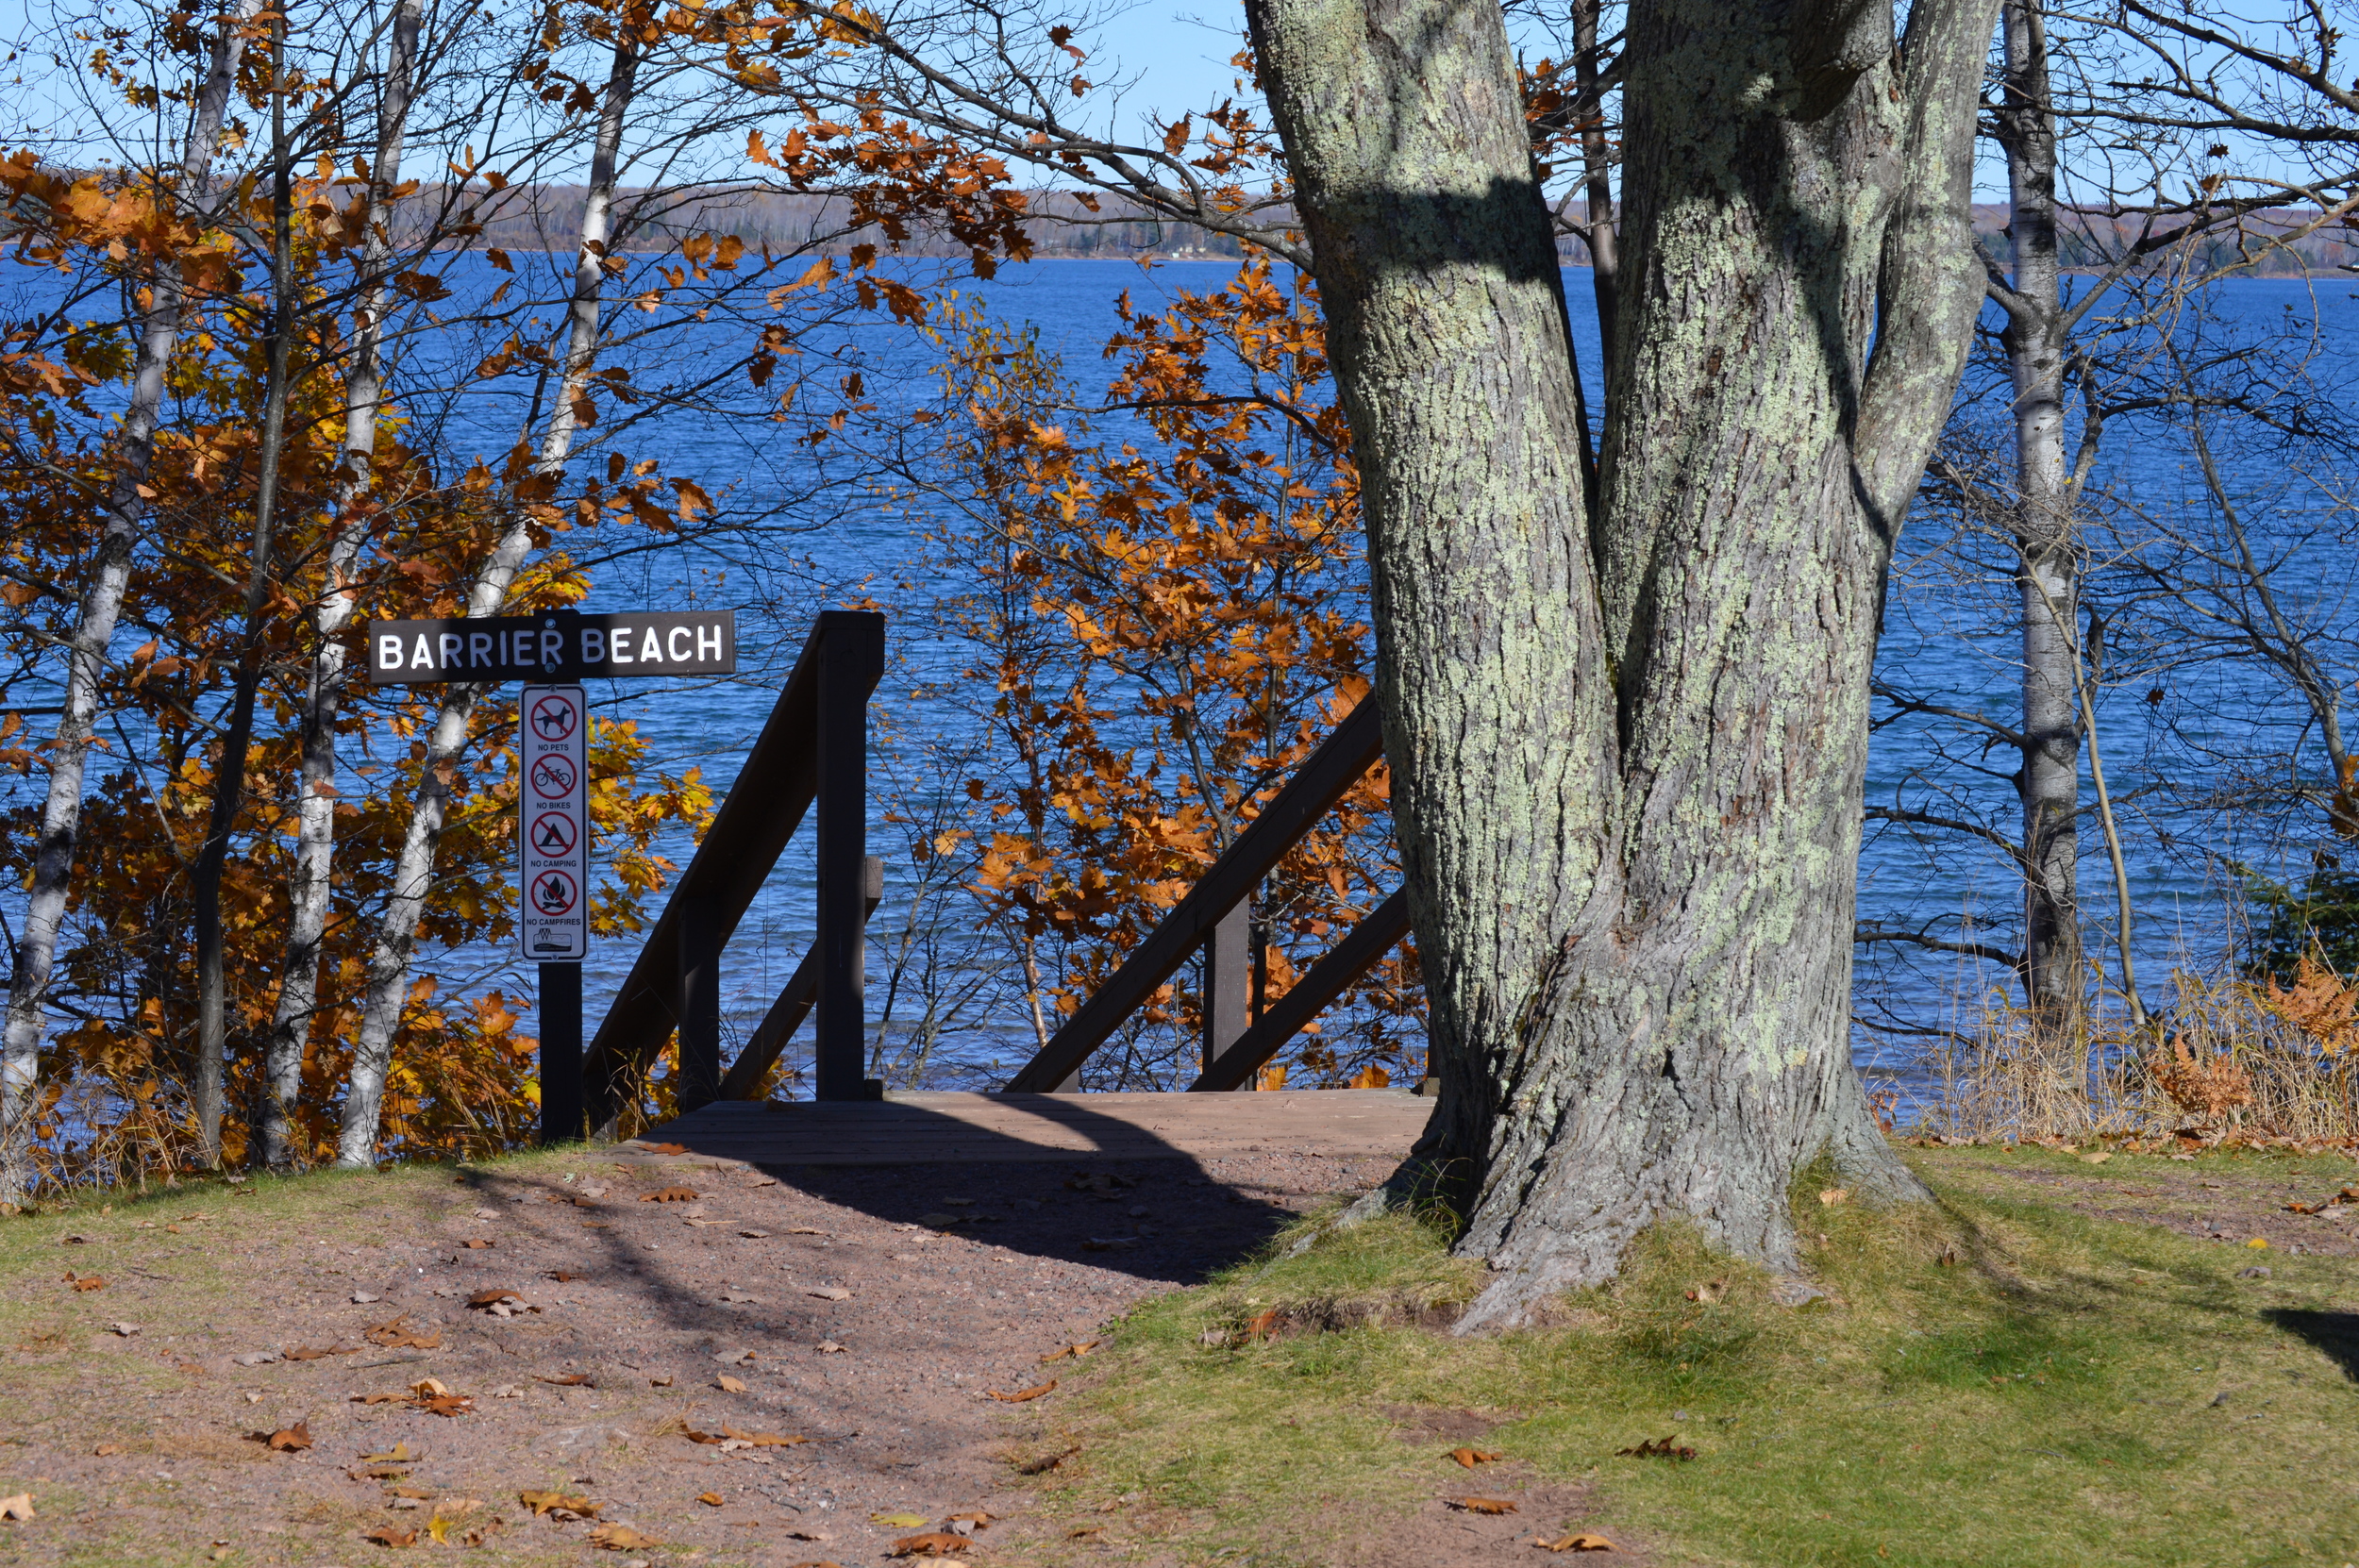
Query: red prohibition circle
553, 777
554, 834
553, 718
553, 894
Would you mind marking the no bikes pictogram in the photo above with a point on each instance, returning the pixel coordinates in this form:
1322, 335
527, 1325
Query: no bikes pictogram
553, 894
553, 777
553, 719
554, 834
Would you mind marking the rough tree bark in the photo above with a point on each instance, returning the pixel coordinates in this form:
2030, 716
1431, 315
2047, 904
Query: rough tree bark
93, 630
228, 796
309, 885
1628, 750
413, 873
2037, 344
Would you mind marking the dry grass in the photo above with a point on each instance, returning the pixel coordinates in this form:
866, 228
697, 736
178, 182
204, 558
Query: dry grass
2231, 1061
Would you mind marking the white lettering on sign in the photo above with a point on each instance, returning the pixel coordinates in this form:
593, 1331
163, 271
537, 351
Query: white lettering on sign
553, 820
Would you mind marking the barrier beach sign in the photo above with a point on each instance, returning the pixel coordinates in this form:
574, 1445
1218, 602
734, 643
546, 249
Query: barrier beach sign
556, 646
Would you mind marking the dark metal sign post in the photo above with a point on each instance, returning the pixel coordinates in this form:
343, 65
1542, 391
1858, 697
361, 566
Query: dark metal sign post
551, 653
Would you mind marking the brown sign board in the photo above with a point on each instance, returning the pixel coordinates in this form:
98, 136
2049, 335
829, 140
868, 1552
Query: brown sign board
558, 646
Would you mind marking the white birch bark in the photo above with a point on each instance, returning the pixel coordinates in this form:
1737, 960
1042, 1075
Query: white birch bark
308, 885
413, 873
93, 632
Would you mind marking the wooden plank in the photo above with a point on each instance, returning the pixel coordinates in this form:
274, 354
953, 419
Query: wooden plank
1320, 782
850, 664
953, 1128
759, 814
1329, 978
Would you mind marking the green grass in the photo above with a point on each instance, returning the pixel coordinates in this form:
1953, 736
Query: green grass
2050, 1399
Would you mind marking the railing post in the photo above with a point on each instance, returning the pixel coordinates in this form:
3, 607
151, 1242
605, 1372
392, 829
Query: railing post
1227, 982
561, 1053
699, 1005
851, 658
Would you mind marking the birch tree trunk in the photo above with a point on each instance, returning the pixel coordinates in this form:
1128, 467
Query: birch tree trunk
93, 631
2047, 551
413, 871
308, 885
1628, 749
228, 795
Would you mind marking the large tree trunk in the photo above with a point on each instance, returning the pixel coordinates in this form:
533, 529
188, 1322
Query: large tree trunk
2047, 550
93, 631
1628, 749
308, 882
413, 871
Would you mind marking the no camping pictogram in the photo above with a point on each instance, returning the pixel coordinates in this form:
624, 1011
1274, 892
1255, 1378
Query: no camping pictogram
553, 719
554, 834
553, 776
554, 894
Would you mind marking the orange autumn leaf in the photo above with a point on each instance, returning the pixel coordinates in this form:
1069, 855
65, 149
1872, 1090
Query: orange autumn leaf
1023, 1396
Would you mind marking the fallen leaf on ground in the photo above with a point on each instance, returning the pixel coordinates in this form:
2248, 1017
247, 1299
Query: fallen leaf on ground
571, 1381
563, 1505
1834, 1195
1709, 1291
309, 1353
902, 1520
665, 1148
105, 1448
761, 1440
85, 1281
933, 1543
710, 1499
398, 1335
830, 1292
1021, 1395
18, 1507
1657, 1448
489, 1298
563, 1278
1076, 1351
287, 1440
476, 1243
670, 1194
1263, 1324
125, 1329
1046, 1462
976, 1521
805, 1230
1577, 1543
390, 1535
1481, 1505
755, 1235
1472, 1457
398, 1454
1083, 1532
729, 1384
364, 1298
828, 1347
659, 1382
620, 1538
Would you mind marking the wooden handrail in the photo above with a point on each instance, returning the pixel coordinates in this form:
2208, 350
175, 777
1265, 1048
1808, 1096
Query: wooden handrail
674, 982
1347, 752
1329, 978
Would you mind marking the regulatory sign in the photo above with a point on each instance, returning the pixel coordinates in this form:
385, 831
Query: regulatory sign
553, 825
559, 645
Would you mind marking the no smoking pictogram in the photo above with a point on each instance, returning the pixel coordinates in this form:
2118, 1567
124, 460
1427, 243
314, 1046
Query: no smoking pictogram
553, 719
554, 894
554, 834
553, 776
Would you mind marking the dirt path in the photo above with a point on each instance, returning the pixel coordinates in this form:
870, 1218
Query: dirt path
865, 1315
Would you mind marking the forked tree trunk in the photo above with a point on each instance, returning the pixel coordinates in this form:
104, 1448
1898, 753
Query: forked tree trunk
2047, 548
413, 871
93, 631
1628, 750
308, 882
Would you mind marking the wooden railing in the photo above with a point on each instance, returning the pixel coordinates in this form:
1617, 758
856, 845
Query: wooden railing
814, 750
1215, 911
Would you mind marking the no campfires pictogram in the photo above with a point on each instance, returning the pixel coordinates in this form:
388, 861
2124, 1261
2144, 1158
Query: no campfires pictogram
554, 894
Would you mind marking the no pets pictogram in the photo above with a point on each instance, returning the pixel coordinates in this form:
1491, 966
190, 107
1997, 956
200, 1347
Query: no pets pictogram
553, 719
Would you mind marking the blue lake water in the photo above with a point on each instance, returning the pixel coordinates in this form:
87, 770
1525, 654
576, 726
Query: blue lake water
827, 539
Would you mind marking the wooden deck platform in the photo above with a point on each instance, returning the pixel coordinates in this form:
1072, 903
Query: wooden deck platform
915, 1128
